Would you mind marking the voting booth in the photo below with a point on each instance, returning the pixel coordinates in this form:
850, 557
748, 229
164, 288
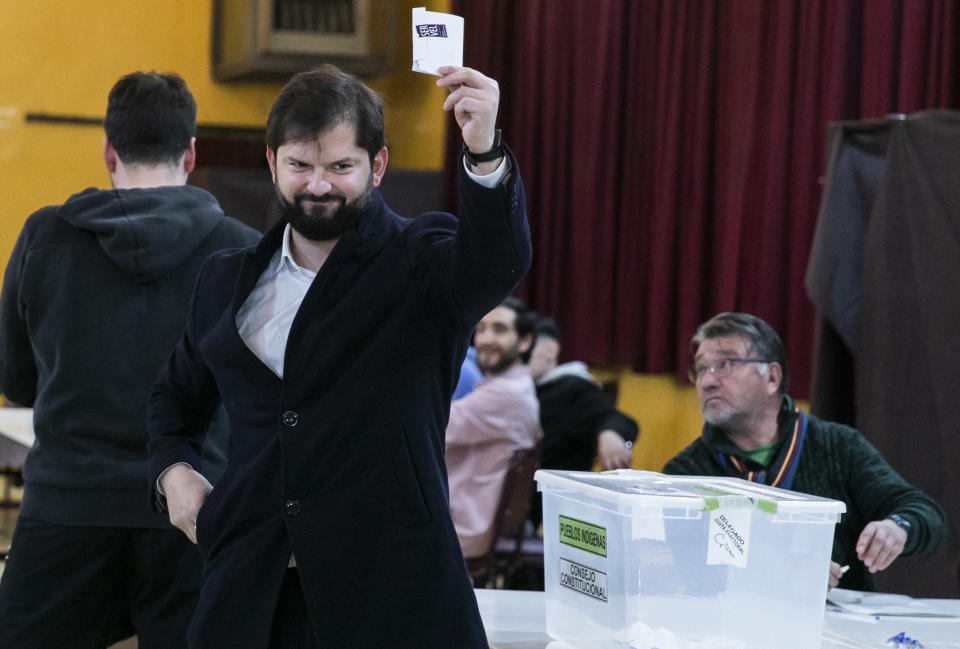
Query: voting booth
643, 560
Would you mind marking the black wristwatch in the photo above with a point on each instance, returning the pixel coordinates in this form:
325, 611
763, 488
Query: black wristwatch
496, 151
900, 521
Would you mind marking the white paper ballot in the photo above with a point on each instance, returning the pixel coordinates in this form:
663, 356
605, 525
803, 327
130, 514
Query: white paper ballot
437, 40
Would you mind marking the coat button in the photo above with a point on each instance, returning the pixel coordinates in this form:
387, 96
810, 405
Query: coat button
290, 418
291, 507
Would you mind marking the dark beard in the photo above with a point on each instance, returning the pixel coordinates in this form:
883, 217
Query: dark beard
507, 358
318, 226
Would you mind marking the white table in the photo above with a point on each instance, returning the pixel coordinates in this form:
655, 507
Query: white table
516, 620
16, 435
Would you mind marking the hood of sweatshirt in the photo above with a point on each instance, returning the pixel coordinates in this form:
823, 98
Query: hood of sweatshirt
147, 232
573, 368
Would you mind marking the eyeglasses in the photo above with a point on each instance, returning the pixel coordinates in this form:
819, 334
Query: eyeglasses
721, 369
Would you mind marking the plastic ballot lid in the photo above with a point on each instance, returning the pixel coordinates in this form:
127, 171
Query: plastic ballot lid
628, 489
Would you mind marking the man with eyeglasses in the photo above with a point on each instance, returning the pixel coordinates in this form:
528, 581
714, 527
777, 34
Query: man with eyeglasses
753, 430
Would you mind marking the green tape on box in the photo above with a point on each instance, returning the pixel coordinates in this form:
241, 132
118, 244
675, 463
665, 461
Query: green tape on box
711, 501
767, 506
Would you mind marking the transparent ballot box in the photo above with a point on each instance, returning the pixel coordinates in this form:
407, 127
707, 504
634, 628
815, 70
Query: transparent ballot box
644, 560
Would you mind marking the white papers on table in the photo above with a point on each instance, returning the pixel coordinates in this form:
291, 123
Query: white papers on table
883, 604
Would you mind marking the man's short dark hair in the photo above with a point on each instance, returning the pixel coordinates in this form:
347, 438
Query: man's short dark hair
524, 323
150, 118
547, 327
315, 101
526, 317
764, 343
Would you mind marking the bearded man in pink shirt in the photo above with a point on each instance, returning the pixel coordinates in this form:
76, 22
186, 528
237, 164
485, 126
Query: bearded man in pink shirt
499, 416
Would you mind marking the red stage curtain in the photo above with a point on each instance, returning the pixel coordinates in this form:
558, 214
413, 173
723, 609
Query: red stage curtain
672, 151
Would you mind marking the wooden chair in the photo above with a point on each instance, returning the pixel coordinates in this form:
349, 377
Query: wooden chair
610, 391
528, 570
494, 568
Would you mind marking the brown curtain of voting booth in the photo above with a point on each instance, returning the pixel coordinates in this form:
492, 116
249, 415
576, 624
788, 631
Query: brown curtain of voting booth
884, 275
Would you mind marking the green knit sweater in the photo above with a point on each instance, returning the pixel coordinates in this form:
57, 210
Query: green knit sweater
836, 462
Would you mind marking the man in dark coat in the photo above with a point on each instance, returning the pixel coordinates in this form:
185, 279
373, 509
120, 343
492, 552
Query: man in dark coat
752, 430
94, 299
335, 346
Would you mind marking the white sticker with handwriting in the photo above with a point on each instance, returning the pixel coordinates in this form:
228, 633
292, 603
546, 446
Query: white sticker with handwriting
728, 538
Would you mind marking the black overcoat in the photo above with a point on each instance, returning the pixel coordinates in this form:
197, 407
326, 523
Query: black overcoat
341, 461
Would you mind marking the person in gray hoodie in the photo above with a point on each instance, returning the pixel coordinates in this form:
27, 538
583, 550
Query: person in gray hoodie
94, 298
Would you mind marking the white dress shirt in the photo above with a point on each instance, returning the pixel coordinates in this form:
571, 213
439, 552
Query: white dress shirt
265, 318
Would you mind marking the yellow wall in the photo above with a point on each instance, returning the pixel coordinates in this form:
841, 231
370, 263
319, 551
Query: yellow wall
63, 57
665, 410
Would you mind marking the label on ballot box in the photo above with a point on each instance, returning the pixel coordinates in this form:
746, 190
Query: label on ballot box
640, 559
585, 536
728, 537
583, 579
